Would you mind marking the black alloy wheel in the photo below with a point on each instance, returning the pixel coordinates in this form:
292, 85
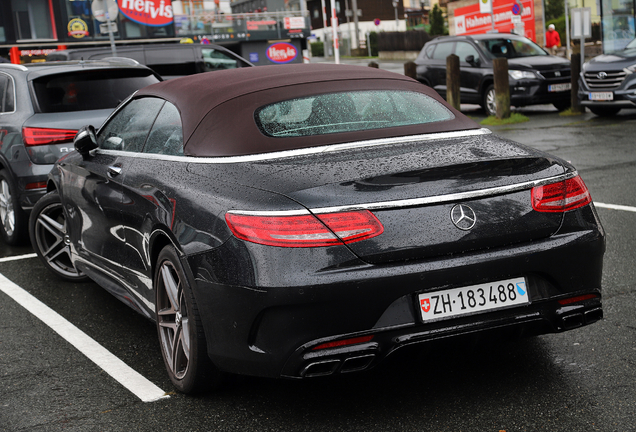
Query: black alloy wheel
50, 238
181, 336
13, 220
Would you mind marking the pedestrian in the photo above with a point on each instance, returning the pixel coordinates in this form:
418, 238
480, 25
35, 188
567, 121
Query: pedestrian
552, 40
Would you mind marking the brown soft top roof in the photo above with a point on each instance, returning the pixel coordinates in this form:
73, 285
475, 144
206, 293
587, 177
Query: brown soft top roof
217, 108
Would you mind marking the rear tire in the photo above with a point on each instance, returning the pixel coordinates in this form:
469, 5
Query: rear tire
605, 111
49, 237
180, 330
13, 220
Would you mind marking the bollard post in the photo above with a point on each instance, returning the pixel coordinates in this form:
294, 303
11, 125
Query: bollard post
410, 70
575, 69
374, 65
502, 87
452, 81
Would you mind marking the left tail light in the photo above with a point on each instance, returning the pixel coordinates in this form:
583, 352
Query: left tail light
305, 230
561, 197
41, 136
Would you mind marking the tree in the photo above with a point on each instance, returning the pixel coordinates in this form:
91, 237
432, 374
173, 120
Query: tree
437, 21
554, 9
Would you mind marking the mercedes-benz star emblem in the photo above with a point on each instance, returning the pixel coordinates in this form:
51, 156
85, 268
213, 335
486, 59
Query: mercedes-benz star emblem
463, 217
602, 75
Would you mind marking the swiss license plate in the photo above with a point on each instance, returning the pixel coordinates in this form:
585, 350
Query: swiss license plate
560, 87
601, 96
473, 299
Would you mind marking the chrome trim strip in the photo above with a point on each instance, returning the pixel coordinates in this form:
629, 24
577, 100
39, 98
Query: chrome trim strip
439, 199
300, 152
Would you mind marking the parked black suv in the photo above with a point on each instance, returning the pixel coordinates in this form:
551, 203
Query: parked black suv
535, 76
168, 60
608, 82
42, 105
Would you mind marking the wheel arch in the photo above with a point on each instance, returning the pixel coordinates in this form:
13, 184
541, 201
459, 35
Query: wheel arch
487, 82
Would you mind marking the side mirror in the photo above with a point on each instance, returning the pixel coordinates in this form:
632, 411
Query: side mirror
85, 140
471, 60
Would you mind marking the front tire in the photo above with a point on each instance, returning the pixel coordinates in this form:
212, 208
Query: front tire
181, 336
605, 111
13, 220
490, 101
50, 239
562, 106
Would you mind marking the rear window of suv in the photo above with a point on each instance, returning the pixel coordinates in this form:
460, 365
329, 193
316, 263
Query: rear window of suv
89, 89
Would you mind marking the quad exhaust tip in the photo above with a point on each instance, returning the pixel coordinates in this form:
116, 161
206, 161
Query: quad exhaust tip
331, 366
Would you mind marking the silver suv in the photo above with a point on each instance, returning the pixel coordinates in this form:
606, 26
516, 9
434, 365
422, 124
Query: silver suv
42, 105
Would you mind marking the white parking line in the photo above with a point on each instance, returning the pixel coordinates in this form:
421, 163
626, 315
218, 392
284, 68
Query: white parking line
18, 257
120, 371
615, 207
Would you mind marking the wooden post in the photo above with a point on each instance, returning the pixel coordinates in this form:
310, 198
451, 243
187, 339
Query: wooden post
410, 70
502, 87
574, 78
452, 81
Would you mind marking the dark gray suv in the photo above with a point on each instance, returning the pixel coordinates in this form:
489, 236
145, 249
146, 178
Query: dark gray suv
607, 83
42, 105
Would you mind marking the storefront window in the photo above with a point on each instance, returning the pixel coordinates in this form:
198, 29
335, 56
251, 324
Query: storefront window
618, 24
3, 37
32, 19
129, 21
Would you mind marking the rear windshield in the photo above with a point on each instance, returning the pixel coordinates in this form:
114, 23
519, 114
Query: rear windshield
349, 112
89, 89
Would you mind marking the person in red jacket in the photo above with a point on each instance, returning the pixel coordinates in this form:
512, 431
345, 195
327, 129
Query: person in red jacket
552, 40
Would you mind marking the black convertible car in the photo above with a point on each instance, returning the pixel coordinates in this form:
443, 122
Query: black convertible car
307, 220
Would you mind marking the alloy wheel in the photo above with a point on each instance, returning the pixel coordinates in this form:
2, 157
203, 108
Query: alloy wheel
7, 213
173, 321
491, 103
53, 241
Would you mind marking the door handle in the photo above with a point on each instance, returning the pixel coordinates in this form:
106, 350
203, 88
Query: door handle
114, 170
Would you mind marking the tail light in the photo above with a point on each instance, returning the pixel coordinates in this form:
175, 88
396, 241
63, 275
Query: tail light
561, 197
42, 136
305, 230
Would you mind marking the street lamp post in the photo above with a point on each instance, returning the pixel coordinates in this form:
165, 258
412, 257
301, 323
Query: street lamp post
397, 21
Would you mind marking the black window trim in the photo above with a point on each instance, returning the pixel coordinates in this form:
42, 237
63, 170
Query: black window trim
15, 99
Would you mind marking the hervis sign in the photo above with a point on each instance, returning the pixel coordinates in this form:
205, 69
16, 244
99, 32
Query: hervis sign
281, 52
154, 13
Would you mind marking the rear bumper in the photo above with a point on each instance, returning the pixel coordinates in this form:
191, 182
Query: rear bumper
271, 331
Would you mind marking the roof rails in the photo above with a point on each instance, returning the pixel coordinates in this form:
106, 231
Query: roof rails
125, 60
14, 66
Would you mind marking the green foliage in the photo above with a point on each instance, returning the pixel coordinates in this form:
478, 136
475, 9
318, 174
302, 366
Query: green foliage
373, 40
554, 9
317, 49
437, 21
514, 118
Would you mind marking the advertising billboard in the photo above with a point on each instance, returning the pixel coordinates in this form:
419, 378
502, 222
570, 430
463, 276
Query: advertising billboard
470, 20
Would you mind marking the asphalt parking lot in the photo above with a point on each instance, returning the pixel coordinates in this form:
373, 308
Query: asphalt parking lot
582, 380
